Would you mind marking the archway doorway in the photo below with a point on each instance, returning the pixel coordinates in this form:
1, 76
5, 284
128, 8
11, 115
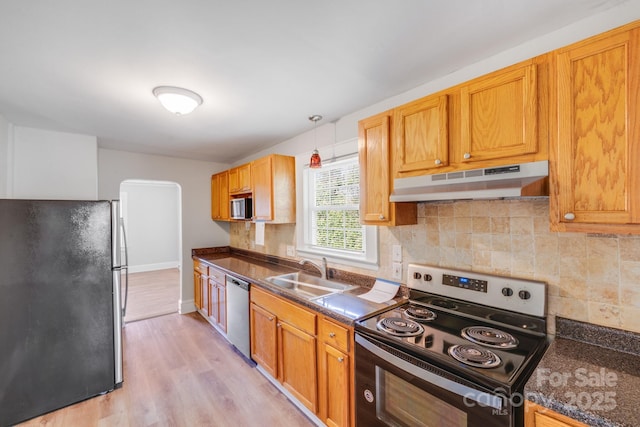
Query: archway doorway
151, 212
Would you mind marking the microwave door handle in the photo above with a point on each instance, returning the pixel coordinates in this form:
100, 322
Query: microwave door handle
462, 390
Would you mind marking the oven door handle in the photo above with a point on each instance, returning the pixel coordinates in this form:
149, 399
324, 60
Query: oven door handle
468, 393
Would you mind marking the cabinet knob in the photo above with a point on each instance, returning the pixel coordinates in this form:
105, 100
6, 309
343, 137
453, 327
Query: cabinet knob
271, 319
278, 324
438, 162
340, 359
381, 217
569, 216
332, 334
467, 156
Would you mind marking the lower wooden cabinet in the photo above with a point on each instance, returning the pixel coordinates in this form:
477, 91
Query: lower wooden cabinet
201, 286
217, 299
283, 342
309, 354
539, 416
335, 373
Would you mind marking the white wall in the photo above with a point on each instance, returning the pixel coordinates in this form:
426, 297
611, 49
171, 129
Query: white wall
4, 156
151, 212
52, 165
194, 178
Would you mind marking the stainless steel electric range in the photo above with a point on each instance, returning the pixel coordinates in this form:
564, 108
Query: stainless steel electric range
457, 353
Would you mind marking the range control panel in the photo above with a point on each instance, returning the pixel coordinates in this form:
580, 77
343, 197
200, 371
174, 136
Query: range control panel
464, 282
508, 293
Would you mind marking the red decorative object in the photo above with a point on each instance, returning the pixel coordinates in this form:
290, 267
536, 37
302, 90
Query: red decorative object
315, 161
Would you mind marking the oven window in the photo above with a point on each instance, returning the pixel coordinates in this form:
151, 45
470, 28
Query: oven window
402, 404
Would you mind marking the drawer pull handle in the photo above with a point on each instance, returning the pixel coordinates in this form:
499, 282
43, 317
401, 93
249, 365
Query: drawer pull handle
332, 335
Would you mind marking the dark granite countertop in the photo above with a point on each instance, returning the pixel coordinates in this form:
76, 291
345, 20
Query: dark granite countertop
255, 268
591, 374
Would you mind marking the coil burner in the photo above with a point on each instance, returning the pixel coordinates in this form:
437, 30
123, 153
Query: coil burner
489, 337
419, 313
400, 327
473, 355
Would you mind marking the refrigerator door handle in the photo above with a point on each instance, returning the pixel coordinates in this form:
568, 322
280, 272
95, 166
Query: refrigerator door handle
125, 267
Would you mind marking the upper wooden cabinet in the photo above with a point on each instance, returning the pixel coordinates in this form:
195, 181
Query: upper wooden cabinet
421, 135
274, 189
220, 196
594, 173
240, 179
376, 183
270, 181
499, 115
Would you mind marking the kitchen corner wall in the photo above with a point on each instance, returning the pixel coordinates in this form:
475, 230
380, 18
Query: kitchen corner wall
590, 277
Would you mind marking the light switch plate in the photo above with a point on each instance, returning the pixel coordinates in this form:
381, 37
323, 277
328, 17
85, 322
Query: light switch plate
396, 253
397, 270
291, 250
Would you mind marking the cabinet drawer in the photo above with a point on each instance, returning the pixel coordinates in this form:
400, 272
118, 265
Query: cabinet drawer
288, 312
200, 267
334, 335
216, 275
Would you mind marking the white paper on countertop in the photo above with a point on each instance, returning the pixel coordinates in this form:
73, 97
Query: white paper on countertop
260, 233
382, 291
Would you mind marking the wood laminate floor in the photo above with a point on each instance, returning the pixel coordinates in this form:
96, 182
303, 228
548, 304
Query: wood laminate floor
178, 371
153, 293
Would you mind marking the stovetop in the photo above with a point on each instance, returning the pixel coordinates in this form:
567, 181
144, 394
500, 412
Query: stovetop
515, 339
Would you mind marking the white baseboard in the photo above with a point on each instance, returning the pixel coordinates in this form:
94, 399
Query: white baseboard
187, 306
153, 267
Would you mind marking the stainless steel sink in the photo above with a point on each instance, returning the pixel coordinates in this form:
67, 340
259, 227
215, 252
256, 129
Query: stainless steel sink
308, 286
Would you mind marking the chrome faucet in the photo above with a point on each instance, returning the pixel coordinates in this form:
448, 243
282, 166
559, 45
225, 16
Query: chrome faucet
322, 268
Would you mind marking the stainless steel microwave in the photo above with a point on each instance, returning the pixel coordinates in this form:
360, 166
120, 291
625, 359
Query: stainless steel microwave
241, 208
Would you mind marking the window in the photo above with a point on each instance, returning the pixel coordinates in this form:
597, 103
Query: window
331, 215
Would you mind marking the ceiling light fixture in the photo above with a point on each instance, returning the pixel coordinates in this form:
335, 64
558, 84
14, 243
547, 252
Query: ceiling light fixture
177, 100
315, 161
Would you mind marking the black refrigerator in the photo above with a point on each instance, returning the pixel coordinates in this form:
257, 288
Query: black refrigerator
62, 269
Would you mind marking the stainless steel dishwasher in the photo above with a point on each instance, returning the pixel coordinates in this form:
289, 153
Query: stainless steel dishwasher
238, 314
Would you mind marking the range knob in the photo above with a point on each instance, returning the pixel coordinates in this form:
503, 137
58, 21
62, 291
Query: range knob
507, 292
524, 294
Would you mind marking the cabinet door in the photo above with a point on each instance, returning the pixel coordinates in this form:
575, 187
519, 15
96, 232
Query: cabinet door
262, 189
499, 115
422, 135
205, 299
220, 196
213, 301
374, 155
222, 306
598, 145
298, 373
264, 339
197, 290
334, 374
538, 416
240, 179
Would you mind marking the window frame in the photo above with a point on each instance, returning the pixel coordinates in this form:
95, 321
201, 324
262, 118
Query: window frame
367, 259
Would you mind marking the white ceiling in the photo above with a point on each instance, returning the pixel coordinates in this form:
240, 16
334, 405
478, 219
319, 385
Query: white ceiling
262, 67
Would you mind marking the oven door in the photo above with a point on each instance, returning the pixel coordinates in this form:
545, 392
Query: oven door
399, 390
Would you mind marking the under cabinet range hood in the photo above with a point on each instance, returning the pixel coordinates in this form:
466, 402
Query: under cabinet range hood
518, 180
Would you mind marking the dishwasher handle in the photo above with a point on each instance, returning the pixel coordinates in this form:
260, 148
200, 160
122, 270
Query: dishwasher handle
237, 282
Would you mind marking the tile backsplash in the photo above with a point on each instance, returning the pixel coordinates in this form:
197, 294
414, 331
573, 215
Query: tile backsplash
591, 277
